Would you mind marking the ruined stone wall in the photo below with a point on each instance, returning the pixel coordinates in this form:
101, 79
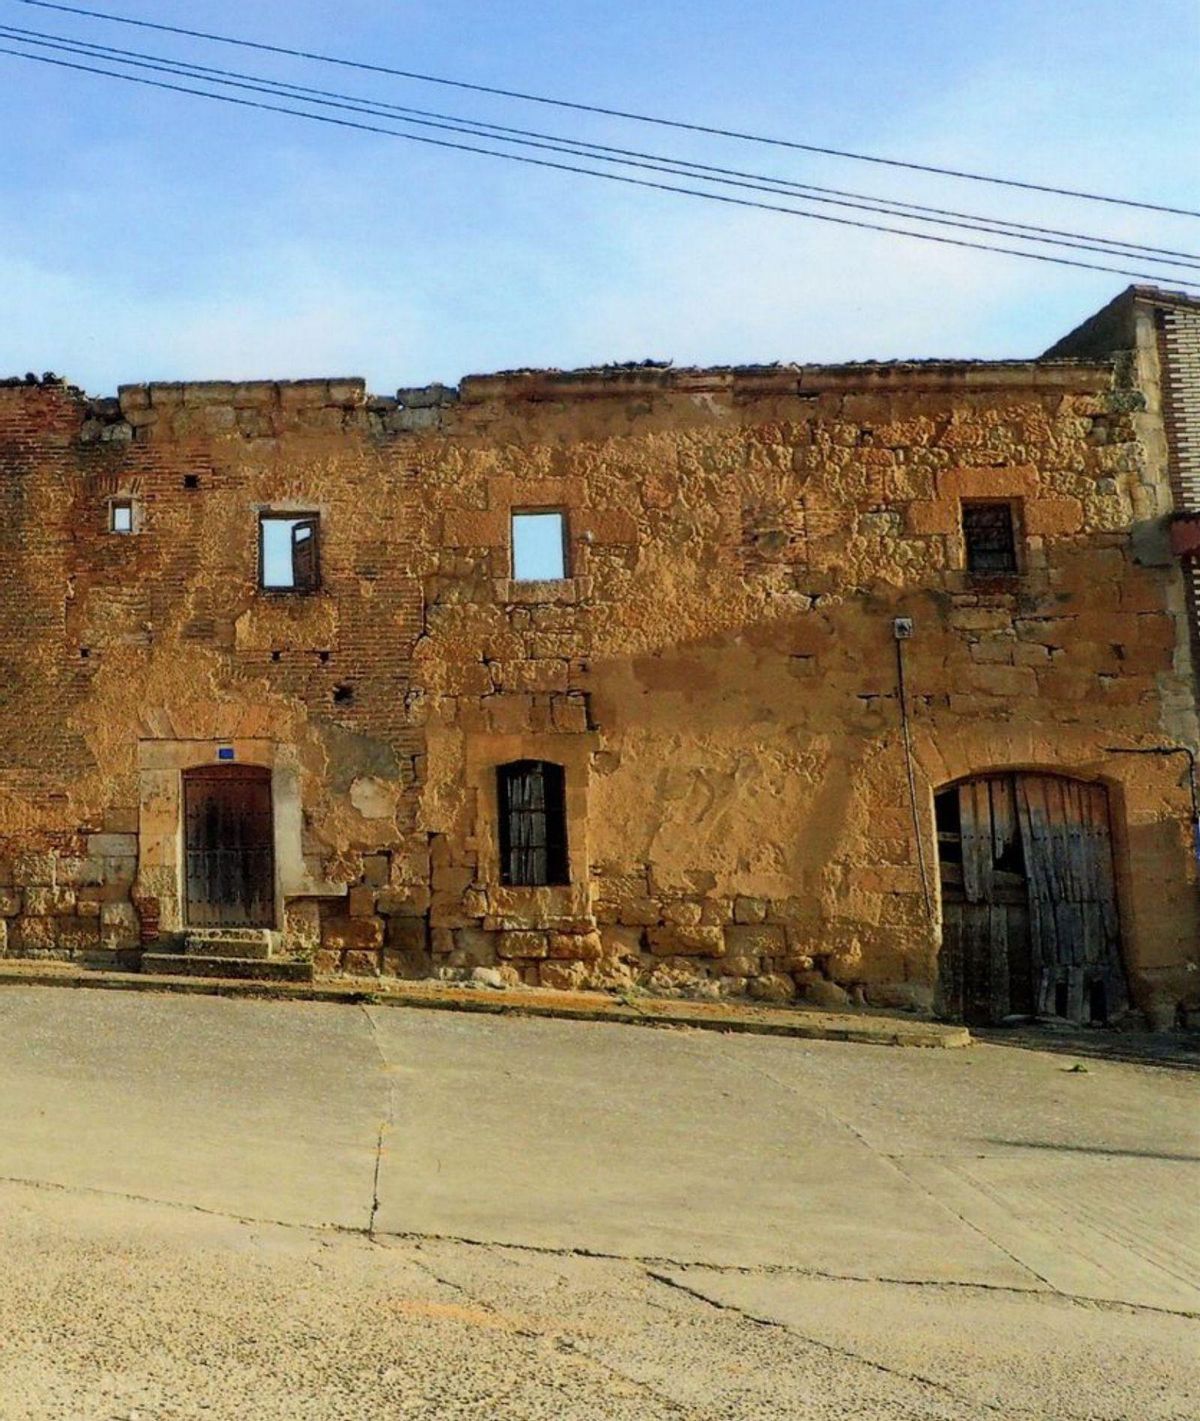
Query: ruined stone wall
717, 675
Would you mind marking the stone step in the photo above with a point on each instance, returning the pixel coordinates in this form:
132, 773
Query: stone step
257, 969
228, 942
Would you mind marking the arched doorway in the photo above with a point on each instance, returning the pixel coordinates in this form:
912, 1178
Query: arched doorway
229, 838
1029, 906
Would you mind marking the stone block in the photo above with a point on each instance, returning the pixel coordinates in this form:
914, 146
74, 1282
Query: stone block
49, 902
682, 914
34, 870
406, 901
740, 965
623, 943
686, 942
749, 910
121, 819
110, 846
359, 962
755, 939
827, 995
522, 944
638, 912
360, 901
120, 926
82, 934
357, 934
582, 947
10, 902
407, 934
1003, 680
563, 976
771, 987
33, 934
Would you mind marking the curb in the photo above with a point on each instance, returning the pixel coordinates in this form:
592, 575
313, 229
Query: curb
796, 1022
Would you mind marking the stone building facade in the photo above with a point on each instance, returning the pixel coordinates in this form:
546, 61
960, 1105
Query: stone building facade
808, 620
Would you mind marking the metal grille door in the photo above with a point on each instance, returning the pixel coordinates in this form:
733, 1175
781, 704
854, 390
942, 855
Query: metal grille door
229, 837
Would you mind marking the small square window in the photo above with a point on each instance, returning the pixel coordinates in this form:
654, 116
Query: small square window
989, 534
539, 546
120, 516
289, 558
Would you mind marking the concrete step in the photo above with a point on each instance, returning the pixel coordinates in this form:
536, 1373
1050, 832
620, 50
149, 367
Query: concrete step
228, 942
257, 969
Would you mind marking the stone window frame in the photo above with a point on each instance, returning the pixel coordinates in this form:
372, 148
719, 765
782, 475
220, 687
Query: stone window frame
552, 815
1016, 508
568, 560
122, 500
484, 755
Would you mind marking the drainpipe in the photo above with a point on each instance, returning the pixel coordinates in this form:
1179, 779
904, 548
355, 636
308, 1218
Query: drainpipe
902, 629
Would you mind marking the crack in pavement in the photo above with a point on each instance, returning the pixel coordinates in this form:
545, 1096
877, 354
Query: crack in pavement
917, 1378
781, 1270
560, 1341
386, 1124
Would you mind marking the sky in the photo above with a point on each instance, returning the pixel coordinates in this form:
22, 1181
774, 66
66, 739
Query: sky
153, 236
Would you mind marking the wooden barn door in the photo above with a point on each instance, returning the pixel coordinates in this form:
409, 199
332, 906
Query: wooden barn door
229, 842
1029, 905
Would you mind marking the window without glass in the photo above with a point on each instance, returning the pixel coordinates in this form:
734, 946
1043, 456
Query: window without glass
539, 546
120, 515
533, 823
289, 559
990, 537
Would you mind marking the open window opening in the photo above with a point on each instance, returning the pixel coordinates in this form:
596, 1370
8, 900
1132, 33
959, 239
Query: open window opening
289, 557
533, 823
539, 545
120, 515
990, 537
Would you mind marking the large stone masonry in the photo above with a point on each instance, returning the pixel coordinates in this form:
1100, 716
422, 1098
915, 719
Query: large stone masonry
716, 674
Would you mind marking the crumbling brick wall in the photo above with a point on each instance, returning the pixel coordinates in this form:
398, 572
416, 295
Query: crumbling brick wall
717, 674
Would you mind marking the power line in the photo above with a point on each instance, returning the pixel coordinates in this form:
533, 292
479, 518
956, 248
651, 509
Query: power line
604, 153
592, 172
607, 112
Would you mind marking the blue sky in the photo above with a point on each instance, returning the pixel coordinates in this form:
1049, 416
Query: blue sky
148, 236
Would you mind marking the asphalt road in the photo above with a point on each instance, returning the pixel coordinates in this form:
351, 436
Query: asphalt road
227, 1209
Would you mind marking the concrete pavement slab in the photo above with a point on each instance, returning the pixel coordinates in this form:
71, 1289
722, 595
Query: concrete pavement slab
1013, 1355
557, 1135
262, 1109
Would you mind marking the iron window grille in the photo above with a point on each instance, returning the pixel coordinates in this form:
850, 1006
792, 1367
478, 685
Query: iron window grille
989, 533
533, 823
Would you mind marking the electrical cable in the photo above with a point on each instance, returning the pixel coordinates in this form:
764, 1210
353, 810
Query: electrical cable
607, 112
601, 152
592, 172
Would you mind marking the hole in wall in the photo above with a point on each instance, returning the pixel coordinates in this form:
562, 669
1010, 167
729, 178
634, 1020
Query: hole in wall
276, 655
85, 652
322, 656
191, 480
342, 694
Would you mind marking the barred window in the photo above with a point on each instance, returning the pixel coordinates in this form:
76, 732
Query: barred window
990, 537
533, 823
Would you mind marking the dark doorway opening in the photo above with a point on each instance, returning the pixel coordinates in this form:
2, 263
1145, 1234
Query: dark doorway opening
1030, 924
229, 845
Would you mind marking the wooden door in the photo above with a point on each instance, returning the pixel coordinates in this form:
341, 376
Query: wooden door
1028, 900
229, 844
